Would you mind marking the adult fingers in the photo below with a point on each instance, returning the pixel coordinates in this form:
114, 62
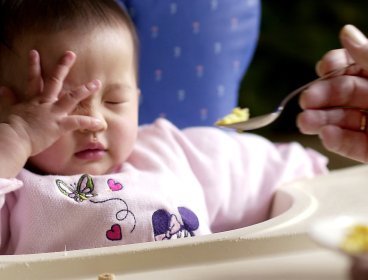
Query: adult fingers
70, 99
54, 82
356, 44
347, 143
332, 60
355, 50
312, 121
340, 91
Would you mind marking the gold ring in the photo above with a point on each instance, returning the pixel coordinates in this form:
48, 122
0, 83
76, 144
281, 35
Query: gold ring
363, 122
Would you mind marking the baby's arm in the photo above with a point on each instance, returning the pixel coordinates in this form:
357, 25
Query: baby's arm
36, 122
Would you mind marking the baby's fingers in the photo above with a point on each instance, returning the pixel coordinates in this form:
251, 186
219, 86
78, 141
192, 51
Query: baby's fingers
70, 99
80, 122
34, 73
54, 82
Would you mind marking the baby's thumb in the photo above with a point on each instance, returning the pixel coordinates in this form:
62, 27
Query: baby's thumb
356, 43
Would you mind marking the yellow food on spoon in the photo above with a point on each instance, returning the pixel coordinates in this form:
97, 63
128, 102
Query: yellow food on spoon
356, 240
237, 115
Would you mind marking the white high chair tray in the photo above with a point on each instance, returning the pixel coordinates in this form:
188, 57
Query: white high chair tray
279, 248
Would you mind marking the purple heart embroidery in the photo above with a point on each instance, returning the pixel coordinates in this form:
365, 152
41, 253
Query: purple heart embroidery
114, 186
114, 233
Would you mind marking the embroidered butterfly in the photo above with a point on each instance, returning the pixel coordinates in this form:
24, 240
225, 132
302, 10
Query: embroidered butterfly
81, 191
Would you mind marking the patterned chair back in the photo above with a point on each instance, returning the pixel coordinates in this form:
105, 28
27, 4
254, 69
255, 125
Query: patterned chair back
193, 55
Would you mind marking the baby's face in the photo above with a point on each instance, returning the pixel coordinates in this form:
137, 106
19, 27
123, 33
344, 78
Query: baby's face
105, 54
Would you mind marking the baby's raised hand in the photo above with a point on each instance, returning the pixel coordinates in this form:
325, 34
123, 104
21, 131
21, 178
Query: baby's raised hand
44, 115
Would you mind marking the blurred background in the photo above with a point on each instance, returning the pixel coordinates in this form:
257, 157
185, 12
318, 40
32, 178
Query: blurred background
294, 34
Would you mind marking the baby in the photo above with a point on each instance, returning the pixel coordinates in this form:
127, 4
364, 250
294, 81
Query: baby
76, 170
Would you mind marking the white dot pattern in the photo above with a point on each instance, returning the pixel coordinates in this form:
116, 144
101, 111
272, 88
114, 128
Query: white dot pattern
193, 54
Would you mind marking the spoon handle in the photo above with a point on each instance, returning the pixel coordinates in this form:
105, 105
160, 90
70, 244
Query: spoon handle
302, 88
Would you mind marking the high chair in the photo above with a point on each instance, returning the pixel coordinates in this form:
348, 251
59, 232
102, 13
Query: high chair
193, 55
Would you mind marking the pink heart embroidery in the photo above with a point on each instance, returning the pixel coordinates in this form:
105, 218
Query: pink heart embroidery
114, 233
114, 186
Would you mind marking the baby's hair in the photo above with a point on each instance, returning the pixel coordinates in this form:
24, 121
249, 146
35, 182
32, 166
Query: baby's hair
19, 17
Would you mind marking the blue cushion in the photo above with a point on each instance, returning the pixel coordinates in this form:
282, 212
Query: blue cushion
193, 55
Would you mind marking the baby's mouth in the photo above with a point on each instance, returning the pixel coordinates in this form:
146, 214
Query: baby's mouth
92, 151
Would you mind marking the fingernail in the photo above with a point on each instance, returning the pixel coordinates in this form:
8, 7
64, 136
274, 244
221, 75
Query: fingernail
318, 68
353, 35
301, 100
97, 123
93, 85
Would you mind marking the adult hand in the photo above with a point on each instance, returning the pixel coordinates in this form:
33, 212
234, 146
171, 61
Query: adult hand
334, 109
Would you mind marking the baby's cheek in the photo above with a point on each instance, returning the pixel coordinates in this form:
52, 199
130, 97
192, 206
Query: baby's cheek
122, 138
52, 160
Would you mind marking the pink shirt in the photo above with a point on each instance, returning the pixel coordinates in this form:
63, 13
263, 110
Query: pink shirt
176, 183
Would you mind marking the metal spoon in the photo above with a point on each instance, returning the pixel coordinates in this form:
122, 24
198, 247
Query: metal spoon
266, 119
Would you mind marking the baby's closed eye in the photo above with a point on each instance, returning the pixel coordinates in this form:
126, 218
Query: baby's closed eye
117, 99
114, 101
117, 95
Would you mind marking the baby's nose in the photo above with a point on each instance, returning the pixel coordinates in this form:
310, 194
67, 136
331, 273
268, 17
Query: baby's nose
101, 127
92, 111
